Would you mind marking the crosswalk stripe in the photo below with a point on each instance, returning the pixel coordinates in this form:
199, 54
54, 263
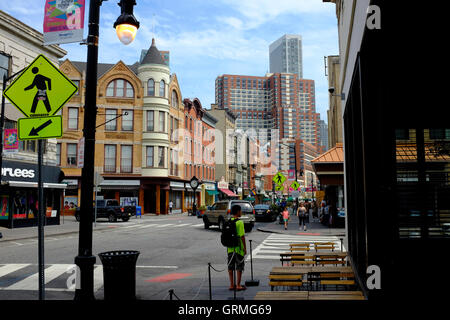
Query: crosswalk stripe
31, 282
182, 225
164, 225
98, 278
11, 268
198, 225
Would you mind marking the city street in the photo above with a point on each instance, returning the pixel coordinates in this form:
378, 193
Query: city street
174, 254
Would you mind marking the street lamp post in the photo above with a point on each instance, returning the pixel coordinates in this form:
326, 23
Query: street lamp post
85, 260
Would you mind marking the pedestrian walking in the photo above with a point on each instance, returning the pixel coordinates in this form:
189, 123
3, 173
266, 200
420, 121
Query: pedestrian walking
301, 213
285, 214
315, 210
236, 254
170, 206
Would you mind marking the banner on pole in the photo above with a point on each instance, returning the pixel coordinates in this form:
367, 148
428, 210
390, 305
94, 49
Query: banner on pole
11, 142
63, 21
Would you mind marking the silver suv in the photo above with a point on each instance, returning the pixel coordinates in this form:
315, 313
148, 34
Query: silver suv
220, 211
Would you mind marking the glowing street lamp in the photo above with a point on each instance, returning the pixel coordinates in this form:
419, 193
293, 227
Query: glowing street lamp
126, 25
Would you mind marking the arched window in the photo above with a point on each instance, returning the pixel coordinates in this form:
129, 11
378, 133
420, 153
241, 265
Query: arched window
162, 88
120, 88
151, 87
174, 99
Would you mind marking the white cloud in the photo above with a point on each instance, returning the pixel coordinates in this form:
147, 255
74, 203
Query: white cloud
258, 12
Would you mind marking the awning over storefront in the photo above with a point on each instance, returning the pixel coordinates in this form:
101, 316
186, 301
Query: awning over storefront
24, 184
212, 192
177, 186
123, 184
229, 193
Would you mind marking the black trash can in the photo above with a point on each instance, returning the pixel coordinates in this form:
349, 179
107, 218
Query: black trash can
119, 274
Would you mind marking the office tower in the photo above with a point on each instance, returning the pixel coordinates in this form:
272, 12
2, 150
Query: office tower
285, 55
323, 134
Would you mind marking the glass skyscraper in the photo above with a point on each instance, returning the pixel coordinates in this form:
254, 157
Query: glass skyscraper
285, 55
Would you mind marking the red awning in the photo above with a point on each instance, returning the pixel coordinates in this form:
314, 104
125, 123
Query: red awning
229, 193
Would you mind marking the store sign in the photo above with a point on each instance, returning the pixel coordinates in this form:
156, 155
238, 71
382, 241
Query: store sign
222, 184
209, 186
18, 173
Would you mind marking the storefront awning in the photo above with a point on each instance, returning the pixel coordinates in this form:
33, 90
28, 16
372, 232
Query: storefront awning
128, 184
212, 192
24, 184
229, 193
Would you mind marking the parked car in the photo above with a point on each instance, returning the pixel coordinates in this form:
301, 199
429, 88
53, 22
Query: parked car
263, 212
220, 212
112, 210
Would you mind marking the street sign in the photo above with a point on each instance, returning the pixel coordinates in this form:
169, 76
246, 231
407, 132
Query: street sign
279, 187
40, 128
41, 89
279, 178
295, 185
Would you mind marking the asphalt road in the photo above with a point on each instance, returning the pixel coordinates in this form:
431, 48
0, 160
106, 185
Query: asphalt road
174, 254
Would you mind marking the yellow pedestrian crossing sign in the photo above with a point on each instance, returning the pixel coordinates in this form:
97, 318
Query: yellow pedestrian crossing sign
295, 185
41, 89
39, 127
279, 178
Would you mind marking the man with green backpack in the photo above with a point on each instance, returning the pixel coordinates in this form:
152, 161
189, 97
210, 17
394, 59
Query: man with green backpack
233, 237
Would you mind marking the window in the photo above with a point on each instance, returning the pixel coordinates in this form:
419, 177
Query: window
150, 157
71, 154
4, 65
151, 87
162, 88
150, 120
111, 125
161, 157
126, 159
127, 120
77, 83
120, 88
174, 99
73, 118
110, 158
162, 121
58, 154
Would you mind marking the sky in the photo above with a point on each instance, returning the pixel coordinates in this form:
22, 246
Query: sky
209, 38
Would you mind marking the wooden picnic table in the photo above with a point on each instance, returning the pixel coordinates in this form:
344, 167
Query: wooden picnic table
329, 254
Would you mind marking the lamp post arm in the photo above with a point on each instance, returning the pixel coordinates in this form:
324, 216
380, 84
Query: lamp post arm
121, 115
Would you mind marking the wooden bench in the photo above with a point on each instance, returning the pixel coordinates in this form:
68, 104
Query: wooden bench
287, 256
324, 246
335, 295
303, 260
281, 295
286, 277
285, 283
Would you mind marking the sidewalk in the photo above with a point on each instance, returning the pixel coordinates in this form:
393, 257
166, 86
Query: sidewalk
312, 228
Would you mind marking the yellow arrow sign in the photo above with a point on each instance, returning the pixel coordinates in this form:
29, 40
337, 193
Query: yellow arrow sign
39, 127
279, 178
279, 187
41, 89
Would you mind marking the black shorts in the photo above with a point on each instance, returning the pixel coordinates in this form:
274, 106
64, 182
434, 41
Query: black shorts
236, 258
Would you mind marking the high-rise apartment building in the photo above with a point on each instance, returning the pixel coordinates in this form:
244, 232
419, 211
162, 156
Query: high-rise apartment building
285, 55
277, 101
323, 134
